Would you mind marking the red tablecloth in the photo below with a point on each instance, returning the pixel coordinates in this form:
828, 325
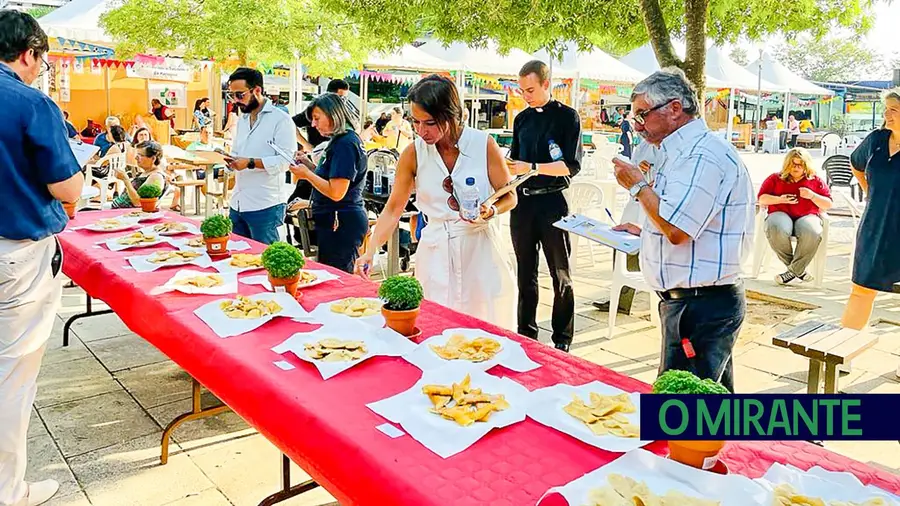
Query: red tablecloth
324, 426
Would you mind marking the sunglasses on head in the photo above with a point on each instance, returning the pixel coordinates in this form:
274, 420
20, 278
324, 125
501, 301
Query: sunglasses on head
447, 185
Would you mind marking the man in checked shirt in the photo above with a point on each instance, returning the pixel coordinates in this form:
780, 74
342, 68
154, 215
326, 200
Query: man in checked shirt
698, 227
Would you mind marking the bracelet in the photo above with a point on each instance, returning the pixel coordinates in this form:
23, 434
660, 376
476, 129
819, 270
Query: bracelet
494, 211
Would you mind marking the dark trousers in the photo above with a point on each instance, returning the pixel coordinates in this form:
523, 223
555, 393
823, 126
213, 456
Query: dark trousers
339, 246
531, 226
711, 322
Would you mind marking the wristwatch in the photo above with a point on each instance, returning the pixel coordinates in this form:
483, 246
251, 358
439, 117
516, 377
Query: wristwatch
251, 164
636, 189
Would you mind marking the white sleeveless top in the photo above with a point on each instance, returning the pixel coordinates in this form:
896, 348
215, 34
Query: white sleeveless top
431, 198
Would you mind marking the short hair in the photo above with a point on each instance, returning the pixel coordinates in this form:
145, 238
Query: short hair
666, 85
396, 110
20, 32
151, 149
333, 106
892, 95
368, 123
252, 77
118, 133
536, 67
438, 96
134, 140
336, 85
112, 121
809, 171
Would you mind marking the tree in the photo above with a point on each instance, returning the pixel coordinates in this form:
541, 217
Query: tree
830, 59
739, 55
38, 12
246, 30
615, 26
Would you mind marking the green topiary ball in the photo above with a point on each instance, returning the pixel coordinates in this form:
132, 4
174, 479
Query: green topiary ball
149, 191
217, 225
684, 382
282, 261
401, 293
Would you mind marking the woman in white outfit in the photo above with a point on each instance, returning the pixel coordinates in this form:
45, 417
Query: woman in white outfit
459, 263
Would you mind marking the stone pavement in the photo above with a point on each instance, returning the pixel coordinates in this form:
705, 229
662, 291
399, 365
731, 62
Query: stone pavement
102, 402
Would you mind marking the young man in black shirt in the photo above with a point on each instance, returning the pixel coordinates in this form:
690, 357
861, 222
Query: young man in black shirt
546, 135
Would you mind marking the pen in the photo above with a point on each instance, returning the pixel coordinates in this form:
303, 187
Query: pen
613, 220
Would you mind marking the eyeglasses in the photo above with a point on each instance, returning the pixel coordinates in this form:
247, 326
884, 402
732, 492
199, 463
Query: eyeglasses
45, 65
639, 117
239, 95
447, 185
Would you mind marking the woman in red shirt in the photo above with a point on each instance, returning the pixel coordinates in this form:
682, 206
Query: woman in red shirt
795, 197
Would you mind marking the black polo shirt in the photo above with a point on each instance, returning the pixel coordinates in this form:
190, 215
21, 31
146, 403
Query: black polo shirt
535, 129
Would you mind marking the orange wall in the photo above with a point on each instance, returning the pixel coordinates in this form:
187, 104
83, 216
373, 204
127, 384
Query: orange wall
127, 98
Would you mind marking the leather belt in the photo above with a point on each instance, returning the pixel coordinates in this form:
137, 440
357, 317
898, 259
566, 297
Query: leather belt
531, 192
700, 291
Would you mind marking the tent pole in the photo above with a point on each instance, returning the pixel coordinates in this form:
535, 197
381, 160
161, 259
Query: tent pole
729, 128
106, 90
364, 97
758, 101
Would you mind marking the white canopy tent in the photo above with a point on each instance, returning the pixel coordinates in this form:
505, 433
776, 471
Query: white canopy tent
78, 19
775, 72
409, 58
481, 60
596, 65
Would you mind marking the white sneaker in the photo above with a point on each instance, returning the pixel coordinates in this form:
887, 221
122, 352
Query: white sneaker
42, 491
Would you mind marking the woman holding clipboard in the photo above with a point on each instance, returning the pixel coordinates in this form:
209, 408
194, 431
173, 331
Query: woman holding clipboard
459, 262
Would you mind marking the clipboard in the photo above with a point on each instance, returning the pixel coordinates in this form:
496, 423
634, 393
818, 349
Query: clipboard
82, 151
601, 233
510, 186
289, 157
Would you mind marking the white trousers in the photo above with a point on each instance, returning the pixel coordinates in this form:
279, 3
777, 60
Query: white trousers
29, 299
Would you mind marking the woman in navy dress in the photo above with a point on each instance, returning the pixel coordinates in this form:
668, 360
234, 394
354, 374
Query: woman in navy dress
876, 267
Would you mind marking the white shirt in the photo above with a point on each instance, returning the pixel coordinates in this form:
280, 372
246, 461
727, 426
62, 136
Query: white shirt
705, 190
260, 188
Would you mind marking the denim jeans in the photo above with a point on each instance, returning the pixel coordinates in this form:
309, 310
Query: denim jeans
259, 225
711, 322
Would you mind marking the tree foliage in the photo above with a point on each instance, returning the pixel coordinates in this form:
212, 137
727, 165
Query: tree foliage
248, 30
739, 56
829, 59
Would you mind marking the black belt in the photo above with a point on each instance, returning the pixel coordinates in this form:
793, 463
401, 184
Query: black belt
531, 192
702, 291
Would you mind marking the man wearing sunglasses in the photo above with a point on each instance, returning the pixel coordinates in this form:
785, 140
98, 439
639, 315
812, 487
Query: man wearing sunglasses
38, 171
546, 138
257, 209
696, 230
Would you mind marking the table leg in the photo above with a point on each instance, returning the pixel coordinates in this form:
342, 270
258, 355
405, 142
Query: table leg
814, 377
831, 378
287, 491
209, 198
182, 199
88, 312
394, 253
197, 412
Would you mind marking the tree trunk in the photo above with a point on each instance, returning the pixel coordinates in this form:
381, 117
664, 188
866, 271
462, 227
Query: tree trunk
659, 34
695, 47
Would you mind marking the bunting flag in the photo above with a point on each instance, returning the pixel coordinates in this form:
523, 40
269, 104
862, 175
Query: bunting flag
84, 46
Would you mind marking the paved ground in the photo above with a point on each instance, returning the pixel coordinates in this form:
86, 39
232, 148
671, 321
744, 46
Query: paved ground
102, 402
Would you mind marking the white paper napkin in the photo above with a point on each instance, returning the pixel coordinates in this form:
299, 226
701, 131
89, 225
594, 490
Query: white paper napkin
181, 243
322, 276
445, 437
223, 326
662, 475
827, 485
190, 228
224, 265
143, 217
547, 404
142, 263
379, 342
511, 355
95, 227
323, 313
114, 245
229, 284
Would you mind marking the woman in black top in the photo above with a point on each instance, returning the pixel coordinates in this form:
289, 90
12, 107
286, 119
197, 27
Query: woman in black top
340, 219
876, 265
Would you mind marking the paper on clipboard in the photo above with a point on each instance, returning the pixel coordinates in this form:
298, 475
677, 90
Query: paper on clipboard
82, 151
600, 232
289, 157
509, 187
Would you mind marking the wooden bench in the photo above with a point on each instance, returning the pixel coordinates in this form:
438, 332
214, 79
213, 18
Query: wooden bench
826, 346
189, 183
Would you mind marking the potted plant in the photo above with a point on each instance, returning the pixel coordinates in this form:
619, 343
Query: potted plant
402, 296
215, 230
283, 263
699, 454
69, 207
150, 194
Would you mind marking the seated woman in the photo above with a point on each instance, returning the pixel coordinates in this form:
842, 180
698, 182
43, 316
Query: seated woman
795, 197
149, 157
337, 183
141, 135
119, 145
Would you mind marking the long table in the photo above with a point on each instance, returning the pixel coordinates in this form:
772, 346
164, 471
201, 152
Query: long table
325, 427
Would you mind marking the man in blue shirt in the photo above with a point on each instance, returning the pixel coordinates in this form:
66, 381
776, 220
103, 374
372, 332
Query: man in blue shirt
38, 171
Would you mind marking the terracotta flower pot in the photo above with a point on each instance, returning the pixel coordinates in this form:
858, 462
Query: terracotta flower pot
699, 454
216, 246
149, 205
70, 209
290, 284
404, 322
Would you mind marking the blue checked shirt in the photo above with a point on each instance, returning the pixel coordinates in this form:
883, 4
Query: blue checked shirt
704, 190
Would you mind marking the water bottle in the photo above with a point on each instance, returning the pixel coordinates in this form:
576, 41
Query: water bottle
469, 200
556, 153
376, 181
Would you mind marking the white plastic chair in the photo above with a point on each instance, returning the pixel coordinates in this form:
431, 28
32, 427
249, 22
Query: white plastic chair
622, 277
830, 144
583, 196
761, 247
115, 162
